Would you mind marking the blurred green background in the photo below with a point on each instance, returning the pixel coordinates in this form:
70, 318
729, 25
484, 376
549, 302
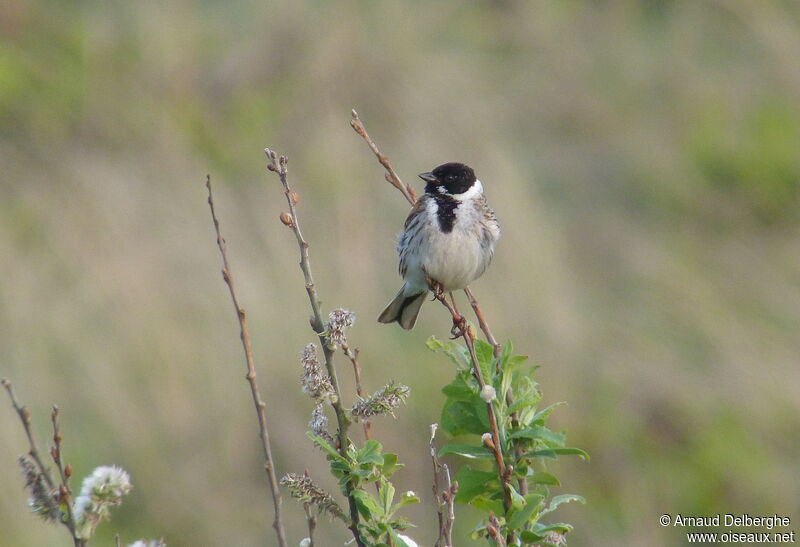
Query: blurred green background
643, 157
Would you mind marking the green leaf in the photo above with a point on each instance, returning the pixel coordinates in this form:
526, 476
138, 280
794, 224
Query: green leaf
366, 504
326, 447
487, 504
466, 450
523, 402
541, 433
461, 417
471, 483
516, 360
560, 527
540, 477
454, 351
390, 464
520, 517
398, 541
554, 452
406, 499
386, 492
508, 350
517, 501
485, 354
462, 388
543, 414
530, 537
371, 453
563, 498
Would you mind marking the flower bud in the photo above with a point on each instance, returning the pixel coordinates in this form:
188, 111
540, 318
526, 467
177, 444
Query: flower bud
488, 393
287, 219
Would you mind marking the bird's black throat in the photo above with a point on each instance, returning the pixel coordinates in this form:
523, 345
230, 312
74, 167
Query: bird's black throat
446, 206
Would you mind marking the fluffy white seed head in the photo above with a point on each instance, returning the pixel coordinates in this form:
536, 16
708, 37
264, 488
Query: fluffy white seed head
488, 393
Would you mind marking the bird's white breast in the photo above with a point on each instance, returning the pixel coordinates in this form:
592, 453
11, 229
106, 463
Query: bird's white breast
458, 257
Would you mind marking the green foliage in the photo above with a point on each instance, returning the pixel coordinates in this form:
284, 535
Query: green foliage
525, 441
359, 467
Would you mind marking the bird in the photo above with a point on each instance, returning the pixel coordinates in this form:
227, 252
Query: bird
448, 238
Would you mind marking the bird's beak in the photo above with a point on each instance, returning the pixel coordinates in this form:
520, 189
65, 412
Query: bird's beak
429, 177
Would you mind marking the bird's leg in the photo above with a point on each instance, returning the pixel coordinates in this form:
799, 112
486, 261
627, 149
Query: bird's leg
435, 286
459, 321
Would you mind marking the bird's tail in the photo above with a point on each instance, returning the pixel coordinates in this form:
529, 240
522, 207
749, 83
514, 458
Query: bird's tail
404, 309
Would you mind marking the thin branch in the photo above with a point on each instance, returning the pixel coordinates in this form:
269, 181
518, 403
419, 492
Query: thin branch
445, 510
449, 497
352, 354
493, 529
277, 164
394, 180
64, 473
411, 196
311, 520
487, 331
460, 328
391, 176
269, 465
25, 417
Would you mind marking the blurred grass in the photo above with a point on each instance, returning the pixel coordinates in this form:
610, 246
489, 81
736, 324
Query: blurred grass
642, 157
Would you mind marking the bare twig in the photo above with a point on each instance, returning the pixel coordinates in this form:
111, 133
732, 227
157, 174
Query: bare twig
25, 417
445, 510
277, 164
269, 464
391, 176
64, 473
352, 354
411, 196
311, 520
497, 348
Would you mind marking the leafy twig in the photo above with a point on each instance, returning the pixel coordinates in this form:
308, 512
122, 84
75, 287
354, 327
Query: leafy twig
460, 328
408, 193
269, 464
277, 164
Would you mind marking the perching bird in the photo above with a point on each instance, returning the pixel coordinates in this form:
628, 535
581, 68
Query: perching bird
449, 237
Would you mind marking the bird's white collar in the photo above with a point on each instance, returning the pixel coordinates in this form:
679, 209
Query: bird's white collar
474, 191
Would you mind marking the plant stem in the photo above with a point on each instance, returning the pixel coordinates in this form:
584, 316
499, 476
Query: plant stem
460, 327
352, 354
278, 165
64, 490
260, 406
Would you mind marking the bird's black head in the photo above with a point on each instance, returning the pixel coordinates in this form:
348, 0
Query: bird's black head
454, 178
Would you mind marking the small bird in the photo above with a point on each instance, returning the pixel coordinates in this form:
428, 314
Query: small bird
449, 237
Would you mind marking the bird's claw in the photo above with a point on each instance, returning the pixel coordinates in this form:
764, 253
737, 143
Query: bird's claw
459, 327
